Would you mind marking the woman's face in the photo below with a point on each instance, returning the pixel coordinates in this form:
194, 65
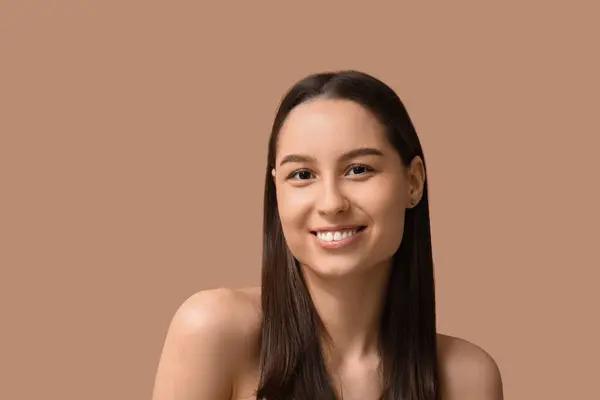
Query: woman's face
342, 190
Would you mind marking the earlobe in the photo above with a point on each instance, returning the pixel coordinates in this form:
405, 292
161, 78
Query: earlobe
413, 198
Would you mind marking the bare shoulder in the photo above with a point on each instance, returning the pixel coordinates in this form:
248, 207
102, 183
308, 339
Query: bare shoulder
234, 313
467, 371
211, 335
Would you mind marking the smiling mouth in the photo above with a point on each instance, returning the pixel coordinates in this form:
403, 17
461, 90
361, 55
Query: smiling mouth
334, 236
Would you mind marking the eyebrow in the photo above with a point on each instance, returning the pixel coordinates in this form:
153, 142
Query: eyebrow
363, 151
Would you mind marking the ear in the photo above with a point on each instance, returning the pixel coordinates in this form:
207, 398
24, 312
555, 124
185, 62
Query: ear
273, 174
416, 181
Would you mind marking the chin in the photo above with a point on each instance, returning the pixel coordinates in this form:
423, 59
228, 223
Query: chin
337, 267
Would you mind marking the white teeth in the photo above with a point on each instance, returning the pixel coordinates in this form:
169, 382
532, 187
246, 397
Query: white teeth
335, 236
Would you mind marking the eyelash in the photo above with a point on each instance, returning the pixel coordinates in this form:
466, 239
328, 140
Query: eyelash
366, 167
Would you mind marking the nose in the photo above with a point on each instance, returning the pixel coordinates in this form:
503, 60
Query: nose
331, 199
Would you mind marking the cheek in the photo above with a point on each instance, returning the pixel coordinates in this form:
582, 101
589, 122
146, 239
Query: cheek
388, 213
294, 206
294, 212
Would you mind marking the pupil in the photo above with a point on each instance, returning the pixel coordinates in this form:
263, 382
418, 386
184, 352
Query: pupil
304, 175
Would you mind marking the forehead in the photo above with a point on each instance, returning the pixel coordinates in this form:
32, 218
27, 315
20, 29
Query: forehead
329, 127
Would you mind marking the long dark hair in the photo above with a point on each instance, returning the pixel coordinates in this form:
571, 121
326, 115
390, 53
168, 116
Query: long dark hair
292, 365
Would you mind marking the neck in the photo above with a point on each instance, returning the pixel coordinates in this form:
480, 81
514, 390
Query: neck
350, 309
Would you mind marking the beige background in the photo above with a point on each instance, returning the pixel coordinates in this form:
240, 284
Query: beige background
132, 148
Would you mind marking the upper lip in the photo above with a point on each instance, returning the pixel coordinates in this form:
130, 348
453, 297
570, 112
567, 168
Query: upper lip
336, 228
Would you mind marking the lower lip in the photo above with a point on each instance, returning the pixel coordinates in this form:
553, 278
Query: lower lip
336, 244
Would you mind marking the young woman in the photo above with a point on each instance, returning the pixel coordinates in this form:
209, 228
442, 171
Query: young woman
346, 308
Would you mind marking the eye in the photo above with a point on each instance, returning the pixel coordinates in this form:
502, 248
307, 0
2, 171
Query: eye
301, 174
359, 169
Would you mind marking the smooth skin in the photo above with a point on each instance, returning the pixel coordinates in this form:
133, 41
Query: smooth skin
334, 166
